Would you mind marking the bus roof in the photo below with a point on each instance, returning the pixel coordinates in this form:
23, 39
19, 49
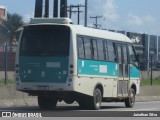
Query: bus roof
51, 21
81, 30
103, 34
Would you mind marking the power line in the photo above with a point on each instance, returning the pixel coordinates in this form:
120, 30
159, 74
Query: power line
96, 19
73, 11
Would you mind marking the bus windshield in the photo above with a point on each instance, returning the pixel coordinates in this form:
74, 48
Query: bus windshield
45, 40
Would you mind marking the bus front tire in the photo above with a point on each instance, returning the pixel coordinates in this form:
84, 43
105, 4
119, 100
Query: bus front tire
47, 103
130, 101
96, 100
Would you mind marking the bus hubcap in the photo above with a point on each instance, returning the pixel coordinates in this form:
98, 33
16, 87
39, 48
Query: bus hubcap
98, 98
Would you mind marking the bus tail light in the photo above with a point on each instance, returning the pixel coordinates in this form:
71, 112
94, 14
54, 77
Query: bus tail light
71, 69
71, 66
17, 68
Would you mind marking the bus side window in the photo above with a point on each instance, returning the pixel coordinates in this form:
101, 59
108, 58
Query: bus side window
100, 49
94, 49
132, 56
87, 46
125, 54
106, 51
111, 51
80, 48
119, 52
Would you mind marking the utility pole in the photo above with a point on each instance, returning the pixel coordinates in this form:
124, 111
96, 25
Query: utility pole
96, 18
78, 11
71, 11
86, 11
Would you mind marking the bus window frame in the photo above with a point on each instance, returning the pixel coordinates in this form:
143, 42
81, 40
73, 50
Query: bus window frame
105, 41
136, 63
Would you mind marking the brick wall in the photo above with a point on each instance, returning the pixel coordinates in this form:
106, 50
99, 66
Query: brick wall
10, 61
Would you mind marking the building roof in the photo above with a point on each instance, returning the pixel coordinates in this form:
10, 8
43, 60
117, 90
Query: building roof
3, 11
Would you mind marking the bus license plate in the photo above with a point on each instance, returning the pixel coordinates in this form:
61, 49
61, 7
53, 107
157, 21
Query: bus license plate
42, 88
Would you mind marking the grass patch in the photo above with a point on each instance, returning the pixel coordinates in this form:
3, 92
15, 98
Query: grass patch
9, 82
156, 81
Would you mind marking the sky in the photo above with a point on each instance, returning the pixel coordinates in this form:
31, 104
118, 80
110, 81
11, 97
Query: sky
141, 16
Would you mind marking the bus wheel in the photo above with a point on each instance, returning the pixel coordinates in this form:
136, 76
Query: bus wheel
47, 102
130, 101
95, 101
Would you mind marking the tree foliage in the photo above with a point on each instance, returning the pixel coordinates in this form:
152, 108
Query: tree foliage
9, 26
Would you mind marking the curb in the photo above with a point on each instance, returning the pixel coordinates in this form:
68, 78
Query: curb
147, 98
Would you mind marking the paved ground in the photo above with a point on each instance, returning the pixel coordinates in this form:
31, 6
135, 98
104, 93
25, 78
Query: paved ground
110, 109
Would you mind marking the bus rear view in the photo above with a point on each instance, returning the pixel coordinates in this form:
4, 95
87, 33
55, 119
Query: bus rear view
42, 60
44, 51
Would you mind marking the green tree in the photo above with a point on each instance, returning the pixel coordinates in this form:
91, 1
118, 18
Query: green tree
3, 31
10, 25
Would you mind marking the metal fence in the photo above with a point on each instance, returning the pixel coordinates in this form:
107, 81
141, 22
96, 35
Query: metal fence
146, 65
7, 64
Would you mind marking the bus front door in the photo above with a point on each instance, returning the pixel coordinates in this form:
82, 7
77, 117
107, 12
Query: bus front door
123, 81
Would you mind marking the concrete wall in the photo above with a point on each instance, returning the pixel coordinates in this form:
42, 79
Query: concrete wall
147, 75
9, 97
10, 75
9, 92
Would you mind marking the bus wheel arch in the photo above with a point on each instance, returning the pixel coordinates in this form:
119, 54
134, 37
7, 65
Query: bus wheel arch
93, 102
100, 87
133, 86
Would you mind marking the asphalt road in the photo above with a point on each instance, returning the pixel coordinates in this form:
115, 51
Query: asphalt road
107, 110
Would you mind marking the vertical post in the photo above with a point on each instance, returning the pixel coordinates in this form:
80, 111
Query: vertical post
78, 14
148, 56
55, 11
157, 48
86, 11
96, 18
96, 22
46, 14
63, 8
151, 70
38, 8
70, 12
5, 80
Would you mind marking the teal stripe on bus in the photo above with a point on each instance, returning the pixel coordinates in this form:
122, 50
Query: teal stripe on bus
99, 68
134, 72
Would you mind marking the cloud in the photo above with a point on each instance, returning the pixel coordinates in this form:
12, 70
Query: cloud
140, 20
110, 11
106, 8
